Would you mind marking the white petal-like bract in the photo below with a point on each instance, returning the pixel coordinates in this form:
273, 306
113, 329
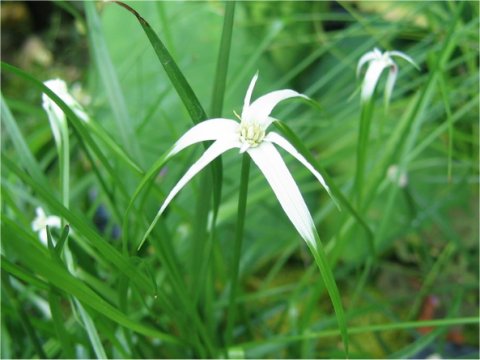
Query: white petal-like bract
269, 161
371, 78
371, 55
215, 150
404, 57
288, 147
248, 95
392, 76
261, 108
249, 135
59, 87
213, 129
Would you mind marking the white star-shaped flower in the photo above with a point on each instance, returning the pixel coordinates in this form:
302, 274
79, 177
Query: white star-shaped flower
377, 62
251, 136
40, 223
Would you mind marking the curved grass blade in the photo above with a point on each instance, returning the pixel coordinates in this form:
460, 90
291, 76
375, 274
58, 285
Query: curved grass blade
185, 92
183, 88
22, 274
91, 330
332, 289
145, 183
103, 136
110, 82
222, 63
25, 156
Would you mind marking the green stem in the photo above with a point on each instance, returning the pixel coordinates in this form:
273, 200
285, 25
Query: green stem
59, 325
407, 325
64, 156
362, 146
242, 204
63, 148
223, 58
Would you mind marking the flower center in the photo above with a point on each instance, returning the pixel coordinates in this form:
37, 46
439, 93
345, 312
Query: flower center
251, 134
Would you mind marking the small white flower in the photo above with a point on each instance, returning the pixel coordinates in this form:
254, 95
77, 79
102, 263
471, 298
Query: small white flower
251, 136
397, 177
40, 223
377, 62
59, 87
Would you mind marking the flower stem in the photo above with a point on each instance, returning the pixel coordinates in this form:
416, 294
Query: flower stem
362, 147
242, 202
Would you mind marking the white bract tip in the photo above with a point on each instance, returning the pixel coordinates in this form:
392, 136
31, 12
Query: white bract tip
59, 87
250, 135
40, 223
377, 63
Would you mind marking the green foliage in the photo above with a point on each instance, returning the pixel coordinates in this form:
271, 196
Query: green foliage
231, 277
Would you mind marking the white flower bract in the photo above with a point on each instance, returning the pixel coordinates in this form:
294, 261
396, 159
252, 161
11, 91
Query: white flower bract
59, 87
40, 223
377, 62
250, 136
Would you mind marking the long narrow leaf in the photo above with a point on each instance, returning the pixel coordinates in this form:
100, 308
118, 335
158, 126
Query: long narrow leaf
24, 154
332, 289
184, 90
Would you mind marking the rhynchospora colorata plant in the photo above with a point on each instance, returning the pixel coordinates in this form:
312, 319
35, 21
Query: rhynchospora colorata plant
250, 136
377, 63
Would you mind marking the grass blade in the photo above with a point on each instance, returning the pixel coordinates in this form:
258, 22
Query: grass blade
184, 90
110, 82
222, 63
332, 289
25, 156
176, 77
